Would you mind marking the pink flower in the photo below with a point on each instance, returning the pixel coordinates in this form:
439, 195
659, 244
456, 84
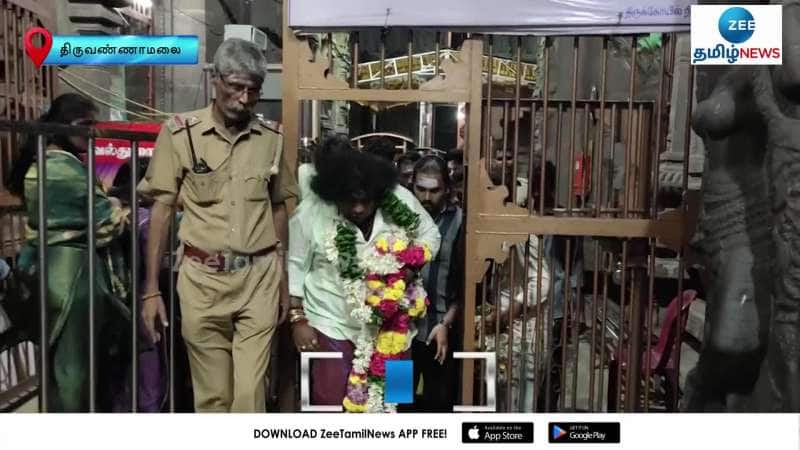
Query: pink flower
374, 277
400, 323
388, 308
427, 302
412, 256
393, 277
377, 365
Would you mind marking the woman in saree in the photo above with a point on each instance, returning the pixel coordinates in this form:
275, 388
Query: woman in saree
67, 260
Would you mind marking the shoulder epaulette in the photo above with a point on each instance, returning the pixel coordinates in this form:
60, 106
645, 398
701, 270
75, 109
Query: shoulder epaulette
178, 122
271, 125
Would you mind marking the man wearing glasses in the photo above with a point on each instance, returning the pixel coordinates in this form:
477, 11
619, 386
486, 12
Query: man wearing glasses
228, 169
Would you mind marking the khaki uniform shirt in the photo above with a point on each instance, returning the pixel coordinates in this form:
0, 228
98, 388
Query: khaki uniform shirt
229, 208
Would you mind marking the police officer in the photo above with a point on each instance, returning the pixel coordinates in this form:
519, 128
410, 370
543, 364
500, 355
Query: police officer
229, 170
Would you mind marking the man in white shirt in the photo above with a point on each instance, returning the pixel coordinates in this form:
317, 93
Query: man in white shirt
344, 185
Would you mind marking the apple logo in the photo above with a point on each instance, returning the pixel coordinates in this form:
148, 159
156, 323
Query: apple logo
473, 433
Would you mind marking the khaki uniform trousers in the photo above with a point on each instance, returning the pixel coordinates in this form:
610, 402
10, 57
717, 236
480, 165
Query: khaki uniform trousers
228, 321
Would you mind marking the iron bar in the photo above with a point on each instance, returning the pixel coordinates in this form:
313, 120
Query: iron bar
330, 55
648, 333
531, 165
565, 311
612, 202
539, 325
503, 151
593, 344
635, 342
383, 58
484, 312
545, 113
573, 125
600, 145
557, 155
410, 59
92, 248
606, 270
488, 130
9, 157
629, 140
576, 324
524, 339
517, 115
512, 254
549, 330
355, 38
584, 156
44, 338
437, 50
134, 277
622, 336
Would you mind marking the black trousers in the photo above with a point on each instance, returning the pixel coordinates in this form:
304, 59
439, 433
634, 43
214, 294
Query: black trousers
439, 380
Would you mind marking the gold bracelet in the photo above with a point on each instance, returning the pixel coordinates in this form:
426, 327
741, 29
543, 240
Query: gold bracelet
293, 317
297, 318
151, 295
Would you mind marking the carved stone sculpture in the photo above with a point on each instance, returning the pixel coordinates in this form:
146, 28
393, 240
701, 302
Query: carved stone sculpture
750, 124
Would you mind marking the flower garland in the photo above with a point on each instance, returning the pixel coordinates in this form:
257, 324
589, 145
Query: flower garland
381, 297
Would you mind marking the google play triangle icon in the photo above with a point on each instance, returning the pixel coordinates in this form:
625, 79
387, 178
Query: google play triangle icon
558, 433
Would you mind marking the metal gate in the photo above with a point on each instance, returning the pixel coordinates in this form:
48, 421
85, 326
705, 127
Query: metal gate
585, 233
554, 140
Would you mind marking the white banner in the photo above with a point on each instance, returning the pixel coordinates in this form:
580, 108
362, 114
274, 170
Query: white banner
397, 431
517, 16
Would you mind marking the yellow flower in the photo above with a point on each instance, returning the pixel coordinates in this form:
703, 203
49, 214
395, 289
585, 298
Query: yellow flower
392, 294
399, 285
382, 245
373, 300
427, 252
399, 246
355, 379
352, 407
391, 342
398, 343
419, 308
375, 284
385, 342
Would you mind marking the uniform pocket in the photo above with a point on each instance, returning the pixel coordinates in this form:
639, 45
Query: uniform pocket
256, 185
204, 188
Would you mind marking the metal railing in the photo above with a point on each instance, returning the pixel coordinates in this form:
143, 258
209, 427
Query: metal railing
41, 130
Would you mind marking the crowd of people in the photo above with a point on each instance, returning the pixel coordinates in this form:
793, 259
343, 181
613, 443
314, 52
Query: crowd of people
370, 262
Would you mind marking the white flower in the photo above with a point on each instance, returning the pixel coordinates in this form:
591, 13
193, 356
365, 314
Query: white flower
362, 313
384, 264
375, 399
331, 252
363, 351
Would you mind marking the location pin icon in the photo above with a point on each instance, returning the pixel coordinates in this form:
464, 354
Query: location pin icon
38, 54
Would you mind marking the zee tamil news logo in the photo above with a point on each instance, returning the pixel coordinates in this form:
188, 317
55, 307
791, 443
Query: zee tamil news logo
729, 34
